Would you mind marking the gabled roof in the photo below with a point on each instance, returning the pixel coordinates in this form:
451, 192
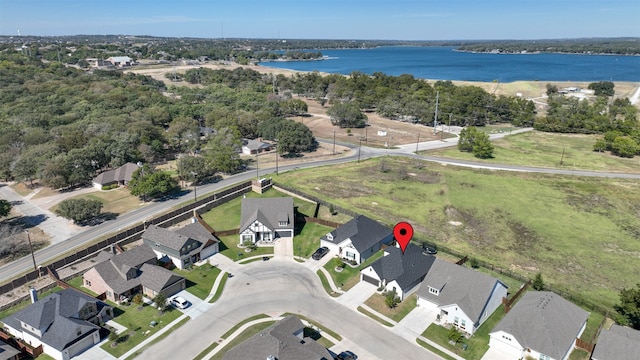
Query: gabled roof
364, 233
468, 288
172, 240
197, 232
7, 351
405, 269
122, 173
617, 343
544, 322
268, 211
114, 270
255, 144
57, 316
278, 341
157, 278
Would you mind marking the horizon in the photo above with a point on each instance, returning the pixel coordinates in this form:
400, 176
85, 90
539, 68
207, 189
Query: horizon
373, 20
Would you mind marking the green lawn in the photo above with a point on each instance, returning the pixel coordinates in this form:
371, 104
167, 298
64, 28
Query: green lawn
220, 288
308, 240
200, 279
565, 227
434, 350
579, 354
349, 276
137, 321
117, 201
325, 284
229, 248
477, 345
592, 326
536, 148
238, 325
377, 303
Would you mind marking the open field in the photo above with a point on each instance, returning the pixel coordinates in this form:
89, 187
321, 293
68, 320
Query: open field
581, 233
116, 201
541, 149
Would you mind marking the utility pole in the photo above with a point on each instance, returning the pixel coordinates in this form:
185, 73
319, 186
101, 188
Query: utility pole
435, 119
359, 147
276, 158
257, 167
417, 142
195, 186
33, 257
334, 142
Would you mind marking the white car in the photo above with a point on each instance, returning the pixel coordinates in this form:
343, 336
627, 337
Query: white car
180, 302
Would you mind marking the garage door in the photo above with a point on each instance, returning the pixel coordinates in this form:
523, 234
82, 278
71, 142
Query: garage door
284, 233
371, 280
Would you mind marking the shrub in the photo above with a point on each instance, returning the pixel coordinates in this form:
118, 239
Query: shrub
391, 299
454, 335
137, 299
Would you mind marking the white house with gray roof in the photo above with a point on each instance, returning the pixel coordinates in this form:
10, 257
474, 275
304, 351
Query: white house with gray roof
541, 325
266, 219
464, 297
283, 340
65, 323
617, 343
184, 246
399, 272
357, 239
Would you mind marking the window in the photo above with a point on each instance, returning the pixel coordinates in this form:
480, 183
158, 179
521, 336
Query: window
506, 338
544, 357
463, 324
283, 223
87, 282
329, 237
350, 255
456, 320
433, 291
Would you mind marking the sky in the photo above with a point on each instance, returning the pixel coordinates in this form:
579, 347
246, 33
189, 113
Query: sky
326, 19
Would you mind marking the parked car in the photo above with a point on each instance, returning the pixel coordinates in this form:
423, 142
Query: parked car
429, 250
346, 355
265, 258
320, 253
179, 302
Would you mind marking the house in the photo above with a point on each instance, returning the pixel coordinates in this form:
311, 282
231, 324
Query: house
120, 176
464, 297
266, 219
399, 272
541, 325
65, 323
358, 239
120, 61
185, 246
617, 343
283, 340
120, 276
8, 352
254, 146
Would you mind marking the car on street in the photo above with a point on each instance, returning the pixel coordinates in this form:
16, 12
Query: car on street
179, 302
265, 258
320, 253
429, 250
346, 355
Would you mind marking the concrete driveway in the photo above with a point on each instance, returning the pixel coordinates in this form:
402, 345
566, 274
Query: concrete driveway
357, 295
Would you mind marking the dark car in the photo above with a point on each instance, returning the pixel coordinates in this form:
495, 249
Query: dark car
346, 355
429, 250
320, 253
265, 258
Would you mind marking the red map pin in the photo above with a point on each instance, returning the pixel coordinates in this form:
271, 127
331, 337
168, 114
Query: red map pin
403, 232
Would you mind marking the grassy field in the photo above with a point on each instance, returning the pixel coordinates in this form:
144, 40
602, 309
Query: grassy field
117, 201
580, 233
551, 150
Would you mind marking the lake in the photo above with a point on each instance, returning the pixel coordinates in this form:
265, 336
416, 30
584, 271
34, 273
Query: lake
444, 63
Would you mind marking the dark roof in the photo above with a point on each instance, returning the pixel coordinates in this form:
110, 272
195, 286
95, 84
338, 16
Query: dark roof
278, 341
172, 240
406, 269
268, 211
197, 232
468, 288
122, 173
544, 322
364, 233
157, 278
7, 351
57, 316
617, 343
114, 270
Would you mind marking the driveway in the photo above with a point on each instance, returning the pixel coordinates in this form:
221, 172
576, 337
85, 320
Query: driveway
417, 321
357, 295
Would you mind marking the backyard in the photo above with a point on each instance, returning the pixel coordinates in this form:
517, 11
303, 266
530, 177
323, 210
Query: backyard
565, 227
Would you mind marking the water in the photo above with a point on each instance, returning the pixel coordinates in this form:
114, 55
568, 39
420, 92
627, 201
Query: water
444, 63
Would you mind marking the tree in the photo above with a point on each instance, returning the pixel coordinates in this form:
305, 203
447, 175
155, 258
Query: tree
551, 89
161, 301
295, 137
147, 183
467, 136
629, 307
79, 210
482, 147
624, 146
194, 167
538, 283
5, 207
602, 88
391, 299
347, 115
222, 150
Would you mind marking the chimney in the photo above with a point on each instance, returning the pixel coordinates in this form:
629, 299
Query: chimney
33, 294
113, 249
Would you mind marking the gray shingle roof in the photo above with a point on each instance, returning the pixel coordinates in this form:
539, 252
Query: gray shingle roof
406, 269
197, 232
468, 288
617, 343
114, 270
278, 340
364, 233
7, 351
122, 173
157, 278
544, 322
268, 211
57, 315
168, 238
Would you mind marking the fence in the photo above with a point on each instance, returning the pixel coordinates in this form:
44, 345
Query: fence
129, 235
315, 199
585, 345
328, 223
508, 302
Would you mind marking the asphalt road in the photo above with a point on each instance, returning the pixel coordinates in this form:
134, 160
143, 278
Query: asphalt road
275, 287
25, 264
